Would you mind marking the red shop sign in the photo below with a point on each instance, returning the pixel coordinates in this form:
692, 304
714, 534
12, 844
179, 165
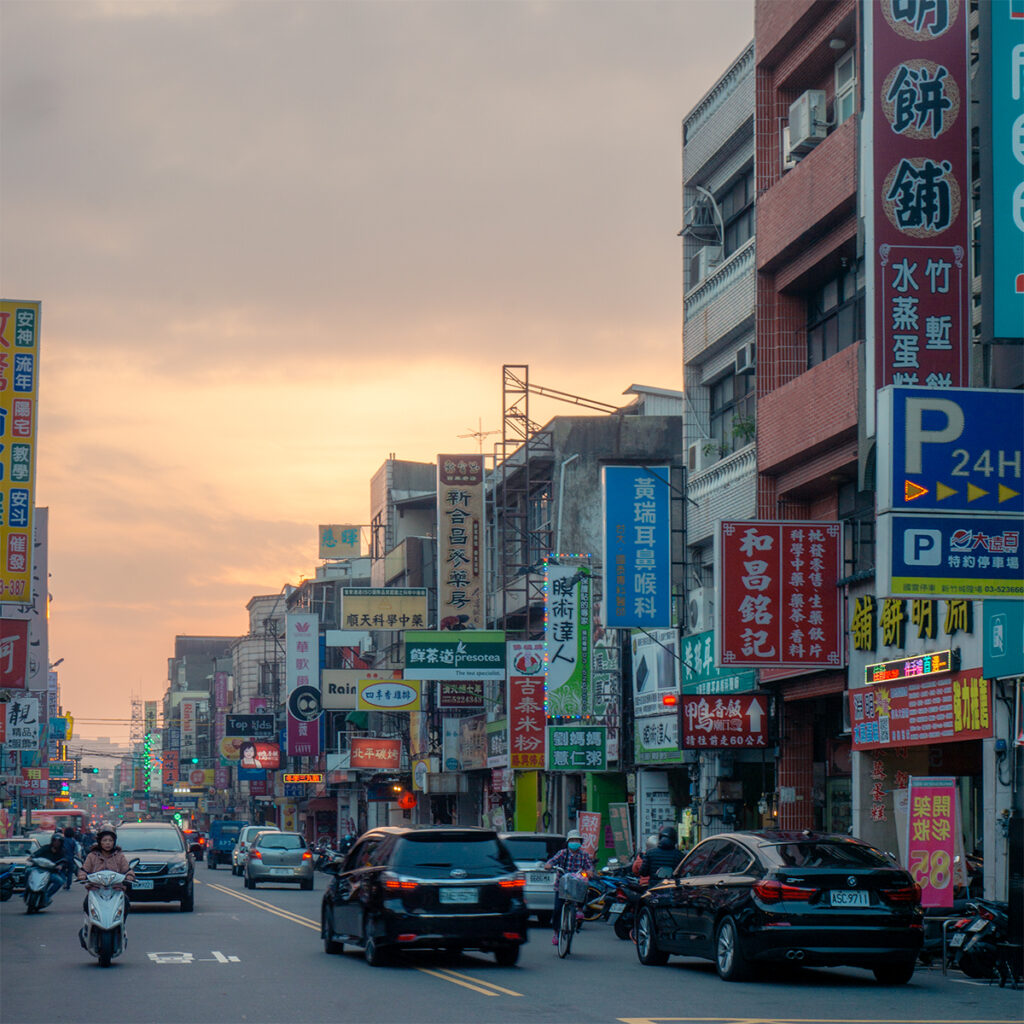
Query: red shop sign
381, 755
526, 722
780, 605
723, 722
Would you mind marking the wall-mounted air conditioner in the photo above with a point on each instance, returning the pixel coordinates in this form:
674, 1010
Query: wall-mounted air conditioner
700, 609
696, 460
704, 261
808, 123
745, 358
789, 159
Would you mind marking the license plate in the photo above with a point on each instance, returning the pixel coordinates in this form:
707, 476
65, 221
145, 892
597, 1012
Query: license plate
541, 877
280, 871
143, 883
618, 908
978, 925
458, 895
846, 898
957, 940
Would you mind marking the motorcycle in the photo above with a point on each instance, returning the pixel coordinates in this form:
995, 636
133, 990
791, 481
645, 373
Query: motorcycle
976, 938
37, 881
627, 899
6, 883
104, 935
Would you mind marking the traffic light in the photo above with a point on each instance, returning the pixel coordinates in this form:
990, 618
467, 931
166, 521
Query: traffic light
90, 771
195, 760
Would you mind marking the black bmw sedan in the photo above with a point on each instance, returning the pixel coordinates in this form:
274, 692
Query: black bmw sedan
808, 898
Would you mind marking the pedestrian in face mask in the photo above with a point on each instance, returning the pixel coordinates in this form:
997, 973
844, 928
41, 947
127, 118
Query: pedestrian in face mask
571, 858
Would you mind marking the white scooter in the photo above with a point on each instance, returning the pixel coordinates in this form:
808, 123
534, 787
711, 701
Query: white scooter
37, 881
103, 935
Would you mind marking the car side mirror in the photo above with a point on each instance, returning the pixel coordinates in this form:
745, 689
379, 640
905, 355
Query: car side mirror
133, 863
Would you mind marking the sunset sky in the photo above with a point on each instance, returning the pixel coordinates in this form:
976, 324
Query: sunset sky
275, 242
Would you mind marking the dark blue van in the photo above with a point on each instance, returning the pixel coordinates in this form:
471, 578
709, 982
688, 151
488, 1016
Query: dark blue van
223, 836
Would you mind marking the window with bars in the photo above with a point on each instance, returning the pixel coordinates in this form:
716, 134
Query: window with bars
835, 315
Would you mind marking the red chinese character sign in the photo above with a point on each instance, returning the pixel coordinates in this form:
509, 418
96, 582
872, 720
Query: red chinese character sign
931, 838
527, 720
918, 161
723, 721
377, 755
779, 601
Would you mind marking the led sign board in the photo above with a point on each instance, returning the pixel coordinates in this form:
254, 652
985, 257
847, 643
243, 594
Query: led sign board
308, 777
919, 666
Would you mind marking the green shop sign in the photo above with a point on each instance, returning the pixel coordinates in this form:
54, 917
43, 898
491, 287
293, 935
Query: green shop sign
698, 672
470, 654
577, 748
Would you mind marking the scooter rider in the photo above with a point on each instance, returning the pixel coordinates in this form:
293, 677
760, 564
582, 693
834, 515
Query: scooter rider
106, 855
665, 855
58, 852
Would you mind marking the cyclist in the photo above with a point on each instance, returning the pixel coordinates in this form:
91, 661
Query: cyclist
571, 858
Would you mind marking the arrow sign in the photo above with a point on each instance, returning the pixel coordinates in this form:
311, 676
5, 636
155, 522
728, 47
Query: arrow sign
754, 713
912, 490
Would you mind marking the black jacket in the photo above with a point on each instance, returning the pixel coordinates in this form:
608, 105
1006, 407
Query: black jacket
660, 857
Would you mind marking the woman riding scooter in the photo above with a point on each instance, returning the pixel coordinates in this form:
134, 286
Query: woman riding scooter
106, 855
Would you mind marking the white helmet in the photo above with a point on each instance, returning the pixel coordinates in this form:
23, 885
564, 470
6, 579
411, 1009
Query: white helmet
652, 842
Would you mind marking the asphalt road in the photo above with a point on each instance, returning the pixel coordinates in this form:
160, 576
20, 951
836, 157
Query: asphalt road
257, 956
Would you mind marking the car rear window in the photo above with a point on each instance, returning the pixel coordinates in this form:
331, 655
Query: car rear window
433, 856
280, 841
828, 855
162, 840
229, 830
533, 847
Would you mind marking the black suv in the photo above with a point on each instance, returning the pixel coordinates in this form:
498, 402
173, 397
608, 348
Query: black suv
444, 887
165, 869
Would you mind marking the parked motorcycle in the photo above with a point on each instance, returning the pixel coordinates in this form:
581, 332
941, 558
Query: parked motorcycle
37, 881
103, 935
975, 939
627, 899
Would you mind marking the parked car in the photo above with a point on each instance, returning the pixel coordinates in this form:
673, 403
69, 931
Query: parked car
530, 851
741, 898
166, 870
438, 887
14, 853
223, 836
281, 857
241, 848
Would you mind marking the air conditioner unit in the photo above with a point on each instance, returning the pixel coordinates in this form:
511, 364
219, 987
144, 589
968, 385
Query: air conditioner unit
745, 358
700, 610
808, 124
696, 460
789, 159
366, 644
705, 260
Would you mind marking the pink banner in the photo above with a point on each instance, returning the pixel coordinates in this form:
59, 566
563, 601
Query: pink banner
917, 58
780, 605
589, 824
220, 691
931, 838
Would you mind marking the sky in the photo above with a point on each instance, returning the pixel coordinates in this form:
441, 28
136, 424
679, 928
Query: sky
277, 242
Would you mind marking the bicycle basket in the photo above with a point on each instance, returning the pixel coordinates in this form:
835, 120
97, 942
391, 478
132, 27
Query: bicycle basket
572, 887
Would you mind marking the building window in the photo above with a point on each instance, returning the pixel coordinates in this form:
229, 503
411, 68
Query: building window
737, 206
857, 511
732, 413
846, 88
835, 315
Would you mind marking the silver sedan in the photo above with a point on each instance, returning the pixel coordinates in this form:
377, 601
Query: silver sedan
282, 857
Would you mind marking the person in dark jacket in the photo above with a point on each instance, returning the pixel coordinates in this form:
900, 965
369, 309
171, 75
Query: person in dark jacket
665, 855
57, 851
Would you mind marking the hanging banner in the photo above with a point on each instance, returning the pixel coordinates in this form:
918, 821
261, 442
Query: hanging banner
13, 654
589, 824
637, 530
189, 715
526, 718
460, 541
724, 722
19, 415
569, 614
302, 679
917, 162
779, 601
931, 838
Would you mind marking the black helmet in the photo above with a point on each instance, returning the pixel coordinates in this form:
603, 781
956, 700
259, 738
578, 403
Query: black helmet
57, 836
667, 836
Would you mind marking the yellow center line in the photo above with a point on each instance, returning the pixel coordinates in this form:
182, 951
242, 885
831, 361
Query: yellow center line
479, 981
455, 981
268, 907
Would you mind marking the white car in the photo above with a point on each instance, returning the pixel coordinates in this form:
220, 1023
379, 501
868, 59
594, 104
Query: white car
241, 848
530, 850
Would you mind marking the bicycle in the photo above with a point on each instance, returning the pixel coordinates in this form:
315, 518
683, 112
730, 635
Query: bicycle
572, 890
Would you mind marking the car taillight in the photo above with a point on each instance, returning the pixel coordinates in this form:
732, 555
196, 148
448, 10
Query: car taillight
256, 854
771, 891
394, 882
905, 896
307, 855
512, 883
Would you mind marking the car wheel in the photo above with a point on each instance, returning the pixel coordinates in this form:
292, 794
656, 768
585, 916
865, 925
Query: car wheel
330, 946
729, 959
188, 901
544, 918
507, 956
646, 944
893, 974
306, 883
374, 955
211, 862
249, 883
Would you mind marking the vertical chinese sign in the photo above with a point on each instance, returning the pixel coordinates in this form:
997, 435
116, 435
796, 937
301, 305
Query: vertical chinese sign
780, 605
931, 838
568, 618
918, 161
302, 678
460, 528
19, 414
526, 718
13, 654
188, 728
637, 547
